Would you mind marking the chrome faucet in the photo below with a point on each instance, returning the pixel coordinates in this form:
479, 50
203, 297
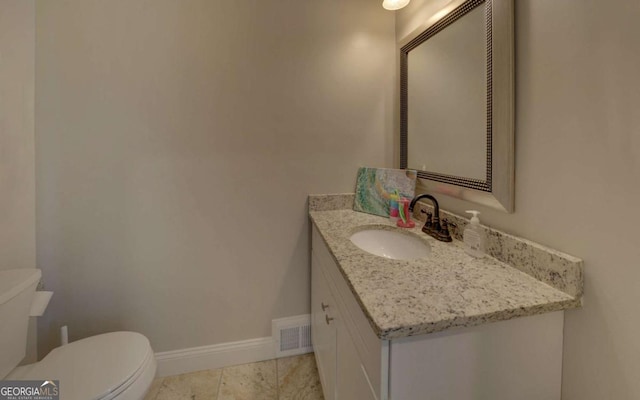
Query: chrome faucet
432, 226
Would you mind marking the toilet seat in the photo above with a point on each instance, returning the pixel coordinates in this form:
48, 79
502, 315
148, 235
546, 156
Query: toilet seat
118, 365
136, 386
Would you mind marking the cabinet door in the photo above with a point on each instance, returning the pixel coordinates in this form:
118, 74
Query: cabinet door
372, 351
323, 331
352, 380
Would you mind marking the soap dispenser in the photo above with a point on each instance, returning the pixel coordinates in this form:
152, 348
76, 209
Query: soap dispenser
473, 239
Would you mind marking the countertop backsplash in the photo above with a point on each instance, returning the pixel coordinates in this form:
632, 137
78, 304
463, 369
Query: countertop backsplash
329, 202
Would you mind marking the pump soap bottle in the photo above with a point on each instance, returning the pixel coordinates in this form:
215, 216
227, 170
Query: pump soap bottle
473, 240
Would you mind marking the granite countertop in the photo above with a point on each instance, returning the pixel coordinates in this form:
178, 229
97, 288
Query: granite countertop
444, 290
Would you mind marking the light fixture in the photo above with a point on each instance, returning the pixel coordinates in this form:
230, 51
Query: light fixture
394, 4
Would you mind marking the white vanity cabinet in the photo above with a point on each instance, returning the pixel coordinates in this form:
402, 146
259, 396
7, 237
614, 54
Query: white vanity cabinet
514, 359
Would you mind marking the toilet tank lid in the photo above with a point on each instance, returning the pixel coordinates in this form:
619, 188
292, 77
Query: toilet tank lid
14, 281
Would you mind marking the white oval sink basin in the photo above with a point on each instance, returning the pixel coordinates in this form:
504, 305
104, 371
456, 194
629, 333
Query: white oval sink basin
390, 244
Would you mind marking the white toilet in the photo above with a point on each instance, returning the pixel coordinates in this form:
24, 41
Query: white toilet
118, 365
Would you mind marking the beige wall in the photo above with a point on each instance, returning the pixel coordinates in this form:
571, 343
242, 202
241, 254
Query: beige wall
578, 174
176, 144
17, 176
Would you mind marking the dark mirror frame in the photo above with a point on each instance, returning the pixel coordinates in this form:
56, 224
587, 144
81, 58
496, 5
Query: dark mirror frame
497, 189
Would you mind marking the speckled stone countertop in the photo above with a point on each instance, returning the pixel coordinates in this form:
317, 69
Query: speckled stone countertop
447, 289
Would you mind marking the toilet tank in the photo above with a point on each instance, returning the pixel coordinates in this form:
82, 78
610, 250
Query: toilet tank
17, 287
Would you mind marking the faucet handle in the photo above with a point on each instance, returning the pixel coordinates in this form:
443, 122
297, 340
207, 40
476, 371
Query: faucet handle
428, 213
443, 233
428, 222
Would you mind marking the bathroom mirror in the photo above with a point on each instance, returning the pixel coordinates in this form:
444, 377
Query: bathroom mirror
456, 103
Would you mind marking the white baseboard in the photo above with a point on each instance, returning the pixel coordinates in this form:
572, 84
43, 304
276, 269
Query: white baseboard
215, 356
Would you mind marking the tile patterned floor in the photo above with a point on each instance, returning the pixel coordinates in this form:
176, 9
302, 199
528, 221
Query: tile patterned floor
290, 378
